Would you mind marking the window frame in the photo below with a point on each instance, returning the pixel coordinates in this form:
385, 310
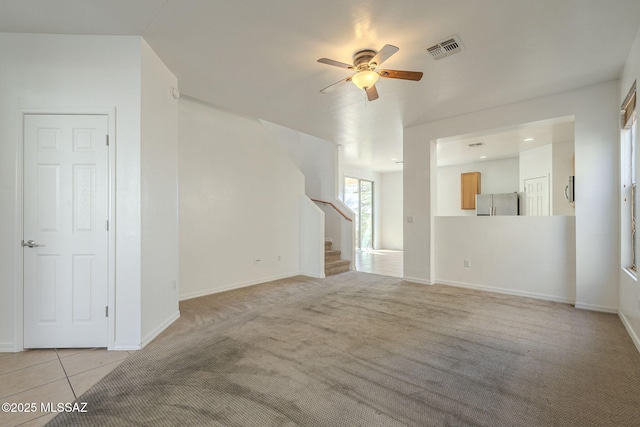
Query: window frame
628, 147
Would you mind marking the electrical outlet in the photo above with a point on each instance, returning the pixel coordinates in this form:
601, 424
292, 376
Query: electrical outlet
467, 263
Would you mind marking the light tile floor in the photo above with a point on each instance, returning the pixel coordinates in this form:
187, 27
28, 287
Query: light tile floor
50, 376
380, 261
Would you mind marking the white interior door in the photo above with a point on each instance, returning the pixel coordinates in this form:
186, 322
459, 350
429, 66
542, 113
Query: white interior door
537, 196
65, 214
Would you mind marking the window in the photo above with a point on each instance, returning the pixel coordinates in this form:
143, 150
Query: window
358, 195
628, 188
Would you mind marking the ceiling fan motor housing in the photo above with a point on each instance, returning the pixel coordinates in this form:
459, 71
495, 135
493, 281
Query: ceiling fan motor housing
361, 59
365, 76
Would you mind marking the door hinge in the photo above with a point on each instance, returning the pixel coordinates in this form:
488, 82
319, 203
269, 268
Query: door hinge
107, 140
106, 311
107, 225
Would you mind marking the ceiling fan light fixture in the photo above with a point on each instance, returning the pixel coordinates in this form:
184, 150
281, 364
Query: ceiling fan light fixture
365, 79
364, 64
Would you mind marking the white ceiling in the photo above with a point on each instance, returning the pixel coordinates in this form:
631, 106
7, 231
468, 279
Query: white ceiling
258, 58
504, 143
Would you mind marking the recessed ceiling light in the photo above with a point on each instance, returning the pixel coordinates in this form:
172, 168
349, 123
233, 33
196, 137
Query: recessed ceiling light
394, 159
483, 157
528, 139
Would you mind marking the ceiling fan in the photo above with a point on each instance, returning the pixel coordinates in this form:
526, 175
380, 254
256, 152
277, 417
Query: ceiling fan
365, 63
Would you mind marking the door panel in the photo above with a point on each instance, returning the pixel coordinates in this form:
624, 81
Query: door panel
537, 196
65, 212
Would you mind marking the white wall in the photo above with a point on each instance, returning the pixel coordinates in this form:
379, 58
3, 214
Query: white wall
629, 291
311, 259
239, 201
419, 204
63, 73
505, 255
315, 157
318, 160
319, 164
159, 171
535, 163
390, 213
496, 176
595, 109
596, 156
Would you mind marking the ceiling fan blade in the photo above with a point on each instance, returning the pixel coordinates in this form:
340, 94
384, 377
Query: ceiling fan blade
400, 74
384, 54
372, 93
335, 85
336, 63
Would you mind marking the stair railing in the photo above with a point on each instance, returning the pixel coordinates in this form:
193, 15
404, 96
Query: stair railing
340, 232
334, 207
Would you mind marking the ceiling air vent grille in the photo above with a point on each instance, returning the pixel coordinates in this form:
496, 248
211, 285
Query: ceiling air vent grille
476, 144
445, 48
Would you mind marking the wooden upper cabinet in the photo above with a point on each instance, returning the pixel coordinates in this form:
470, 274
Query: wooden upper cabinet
469, 187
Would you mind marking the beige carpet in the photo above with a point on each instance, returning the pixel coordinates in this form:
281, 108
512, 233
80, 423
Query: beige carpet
364, 350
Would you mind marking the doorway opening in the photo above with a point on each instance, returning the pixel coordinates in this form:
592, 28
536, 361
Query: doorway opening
358, 195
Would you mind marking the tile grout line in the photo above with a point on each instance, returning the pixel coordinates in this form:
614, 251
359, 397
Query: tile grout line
66, 376
29, 389
13, 393
26, 367
33, 419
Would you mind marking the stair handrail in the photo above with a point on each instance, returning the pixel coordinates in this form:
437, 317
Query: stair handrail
334, 207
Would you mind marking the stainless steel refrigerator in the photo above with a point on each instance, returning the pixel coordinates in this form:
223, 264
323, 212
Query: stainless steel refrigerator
497, 204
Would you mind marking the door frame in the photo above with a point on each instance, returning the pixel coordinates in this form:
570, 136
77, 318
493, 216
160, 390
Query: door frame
358, 240
18, 266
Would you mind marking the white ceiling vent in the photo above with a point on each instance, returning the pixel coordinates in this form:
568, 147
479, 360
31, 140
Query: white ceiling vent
476, 144
445, 48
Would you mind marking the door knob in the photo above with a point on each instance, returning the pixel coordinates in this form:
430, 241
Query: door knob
31, 244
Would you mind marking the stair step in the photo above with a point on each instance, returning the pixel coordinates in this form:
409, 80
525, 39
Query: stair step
327, 245
336, 267
331, 255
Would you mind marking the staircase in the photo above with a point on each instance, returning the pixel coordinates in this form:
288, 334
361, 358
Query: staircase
332, 262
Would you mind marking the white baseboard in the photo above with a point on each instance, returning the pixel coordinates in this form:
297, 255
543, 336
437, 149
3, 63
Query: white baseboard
124, 347
236, 286
7, 347
158, 330
593, 307
313, 275
414, 280
630, 331
506, 291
